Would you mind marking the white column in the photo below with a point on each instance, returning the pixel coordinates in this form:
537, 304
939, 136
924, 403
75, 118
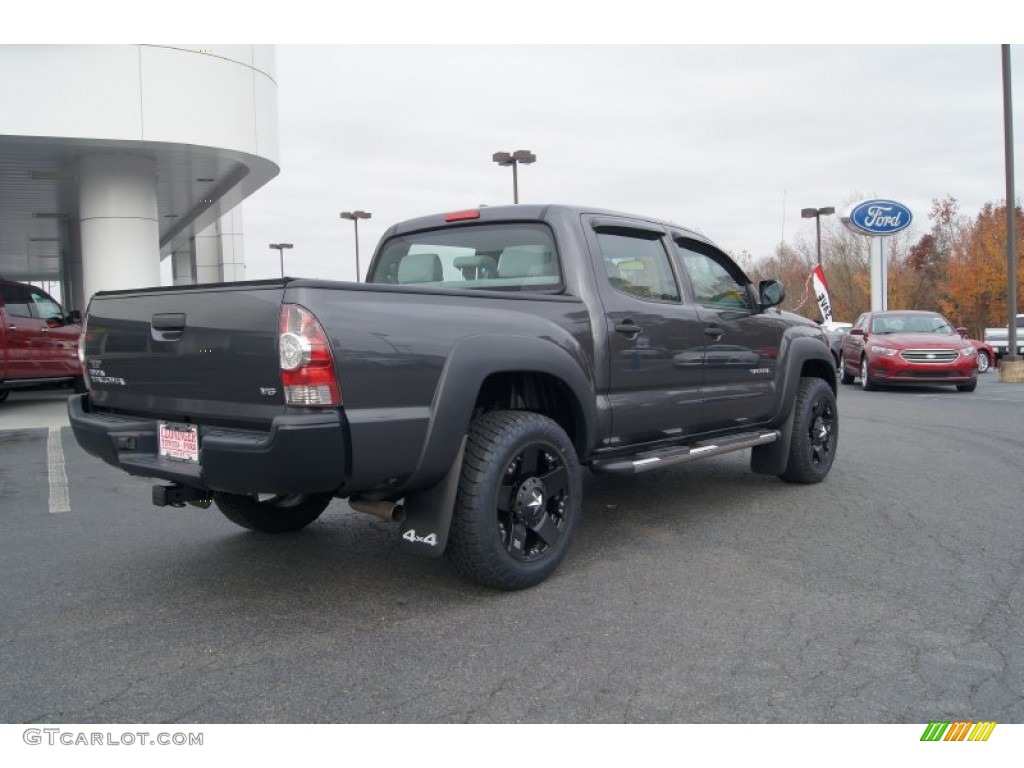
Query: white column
883, 260
232, 245
182, 269
119, 225
206, 246
877, 267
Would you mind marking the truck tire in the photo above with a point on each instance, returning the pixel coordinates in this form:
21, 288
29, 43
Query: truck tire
518, 501
281, 514
815, 433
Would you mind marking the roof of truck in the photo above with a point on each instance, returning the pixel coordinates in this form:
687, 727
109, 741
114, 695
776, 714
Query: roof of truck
530, 212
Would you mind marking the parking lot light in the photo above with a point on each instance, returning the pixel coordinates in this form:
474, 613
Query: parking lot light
280, 250
514, 159
816, 214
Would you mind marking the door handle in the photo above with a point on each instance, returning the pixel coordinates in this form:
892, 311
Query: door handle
169, 321
628, 327
168, 326
714, 332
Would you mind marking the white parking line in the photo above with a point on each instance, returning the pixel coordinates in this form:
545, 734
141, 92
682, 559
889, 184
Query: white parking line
59, 501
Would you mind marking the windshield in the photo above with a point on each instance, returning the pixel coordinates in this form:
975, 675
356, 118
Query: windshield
494, 257
911, 323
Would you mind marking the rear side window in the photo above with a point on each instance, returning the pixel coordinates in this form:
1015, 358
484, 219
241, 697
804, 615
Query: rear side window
493, 257
636, 263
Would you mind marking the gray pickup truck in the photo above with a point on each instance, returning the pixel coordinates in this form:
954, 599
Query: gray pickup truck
491, 355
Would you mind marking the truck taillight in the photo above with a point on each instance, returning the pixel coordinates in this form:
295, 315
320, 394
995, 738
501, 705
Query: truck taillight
307, 367
81, 342
83, 337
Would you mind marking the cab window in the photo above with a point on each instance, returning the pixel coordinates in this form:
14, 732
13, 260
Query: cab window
44, 307
636, 264
16, 300
717, 282
492, 257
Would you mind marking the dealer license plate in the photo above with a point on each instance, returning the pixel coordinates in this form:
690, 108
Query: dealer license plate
179, 441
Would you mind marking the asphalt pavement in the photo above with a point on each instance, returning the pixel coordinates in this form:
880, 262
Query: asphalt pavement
890, 593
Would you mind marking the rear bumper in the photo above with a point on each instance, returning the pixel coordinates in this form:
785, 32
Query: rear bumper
302, 453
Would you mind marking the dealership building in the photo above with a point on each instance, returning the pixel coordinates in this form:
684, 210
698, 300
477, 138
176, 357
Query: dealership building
116, 157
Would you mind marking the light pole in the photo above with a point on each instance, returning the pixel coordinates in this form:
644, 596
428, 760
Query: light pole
1011, 220
816, 214
524, 156
280, 250
354, 217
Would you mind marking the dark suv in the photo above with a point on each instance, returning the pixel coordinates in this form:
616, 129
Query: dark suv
38, 340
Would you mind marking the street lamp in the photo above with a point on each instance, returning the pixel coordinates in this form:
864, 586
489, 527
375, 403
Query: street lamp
524, 156
816, 214
280, 250
354, 217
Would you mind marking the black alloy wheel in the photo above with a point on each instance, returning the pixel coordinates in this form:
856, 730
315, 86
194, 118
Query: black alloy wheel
518, 501
531, 502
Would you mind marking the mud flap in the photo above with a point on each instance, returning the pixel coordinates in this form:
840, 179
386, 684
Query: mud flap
428, 514
772, 459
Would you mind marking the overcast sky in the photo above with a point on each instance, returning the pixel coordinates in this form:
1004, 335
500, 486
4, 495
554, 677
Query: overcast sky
730, 140
797, 104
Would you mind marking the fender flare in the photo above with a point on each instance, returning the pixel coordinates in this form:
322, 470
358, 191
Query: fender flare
468, 366
429, 508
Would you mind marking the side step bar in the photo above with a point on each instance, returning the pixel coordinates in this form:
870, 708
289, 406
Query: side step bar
666, 457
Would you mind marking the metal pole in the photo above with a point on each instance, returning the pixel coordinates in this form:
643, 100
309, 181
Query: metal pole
515, 182
358, 270
1011, 208
280, 248
817, 223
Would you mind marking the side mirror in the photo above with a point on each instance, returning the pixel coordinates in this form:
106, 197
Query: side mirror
962, 331
771, 293
856, 331
74, 316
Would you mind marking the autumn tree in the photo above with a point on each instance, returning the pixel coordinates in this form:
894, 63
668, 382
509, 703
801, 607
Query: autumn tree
914, 272
975, 293
791, 267
918, 276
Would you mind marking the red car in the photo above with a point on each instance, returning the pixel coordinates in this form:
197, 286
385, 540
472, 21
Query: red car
38, 340
907, 347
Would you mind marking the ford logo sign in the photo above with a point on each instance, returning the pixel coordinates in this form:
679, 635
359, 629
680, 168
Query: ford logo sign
880, 217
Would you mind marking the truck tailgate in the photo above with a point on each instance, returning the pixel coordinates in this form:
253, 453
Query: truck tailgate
187, 352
